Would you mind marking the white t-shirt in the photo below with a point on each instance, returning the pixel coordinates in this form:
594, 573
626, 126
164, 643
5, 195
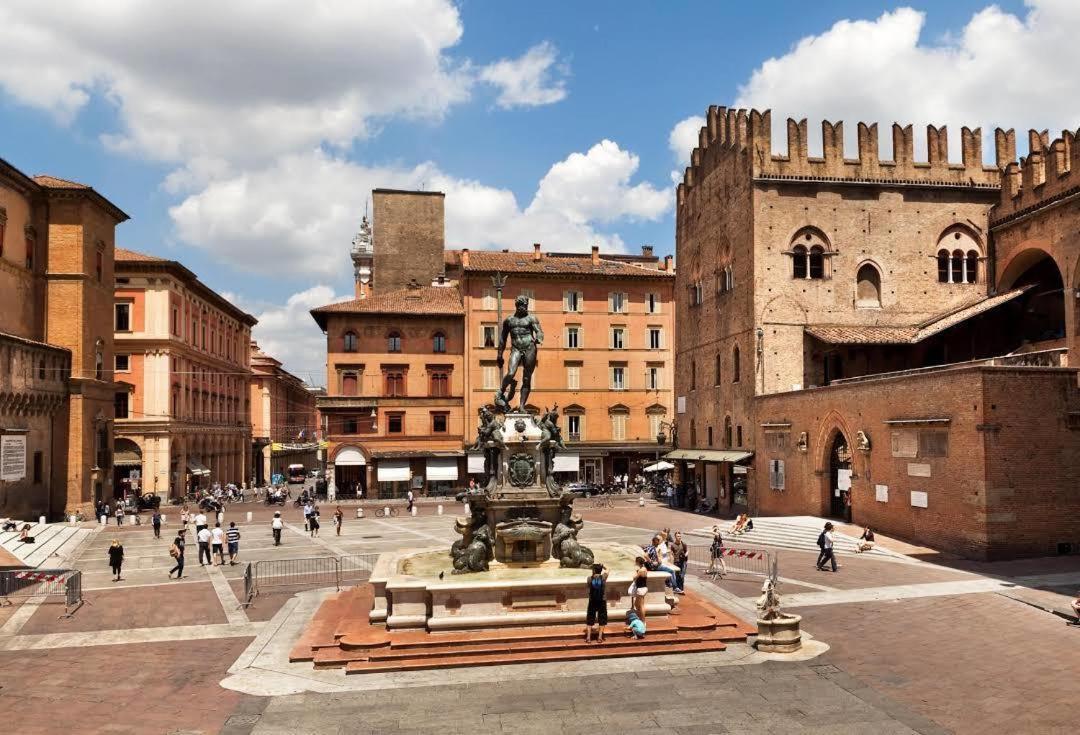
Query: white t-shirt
218, 534
663, 551
204, 536
276, 523
200, 520
828, 540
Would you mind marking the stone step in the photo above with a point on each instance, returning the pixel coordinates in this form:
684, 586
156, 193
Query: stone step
594, 651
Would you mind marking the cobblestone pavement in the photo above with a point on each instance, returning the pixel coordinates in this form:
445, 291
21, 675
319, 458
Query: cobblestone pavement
913, 647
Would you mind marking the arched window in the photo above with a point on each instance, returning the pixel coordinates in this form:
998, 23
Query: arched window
351, 342
817, 262
393, 342
735, 364
957, 266
971, 271
727, 432
943, 266
799, 262
868, 287
438, 342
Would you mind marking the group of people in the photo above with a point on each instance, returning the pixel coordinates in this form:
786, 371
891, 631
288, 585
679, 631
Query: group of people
596, 614
742, 524
211, 542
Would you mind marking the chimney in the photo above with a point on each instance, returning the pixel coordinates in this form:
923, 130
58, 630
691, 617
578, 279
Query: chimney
596, 255
646, 251
536, 251
667, 263
464, 257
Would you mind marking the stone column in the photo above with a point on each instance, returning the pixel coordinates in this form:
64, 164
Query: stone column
331, 486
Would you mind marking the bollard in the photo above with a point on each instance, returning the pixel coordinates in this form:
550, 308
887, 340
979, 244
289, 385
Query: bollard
386, 512
641, 502
104, 520
221, 516
414, 511
440, 509
164, 519
466, 508
249, 516
41, 520
71, 519
359, 512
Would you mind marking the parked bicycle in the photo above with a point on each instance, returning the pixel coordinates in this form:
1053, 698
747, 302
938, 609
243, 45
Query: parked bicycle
603, 501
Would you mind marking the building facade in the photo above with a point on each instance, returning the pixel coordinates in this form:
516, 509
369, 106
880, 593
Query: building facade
409, 366
183, 413
866, 334
284, 425
56, 409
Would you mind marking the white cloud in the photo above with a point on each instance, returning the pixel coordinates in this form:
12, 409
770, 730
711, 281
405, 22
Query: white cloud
536, 78
204, 82
288, 333
1000, 70
683, 138
299, 214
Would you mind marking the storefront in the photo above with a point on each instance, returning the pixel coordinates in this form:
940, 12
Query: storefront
717, 476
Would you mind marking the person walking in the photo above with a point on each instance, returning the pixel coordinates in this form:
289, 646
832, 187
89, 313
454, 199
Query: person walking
716, 554
276, 524
596, 614
670, 492
217, 544
200, 522
307, 515
155, 521
825, 541
176, 551
203, 539
339, 519
185, 517
116, 558
232, 536
313, 521
119, 513
409, 497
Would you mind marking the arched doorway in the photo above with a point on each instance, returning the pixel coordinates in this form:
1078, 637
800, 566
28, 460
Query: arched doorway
127, 468
840, 468
1040, 317
350, 472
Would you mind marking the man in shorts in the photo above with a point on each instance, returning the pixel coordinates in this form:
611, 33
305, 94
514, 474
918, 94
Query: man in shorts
232, 537
217, 544
596, 614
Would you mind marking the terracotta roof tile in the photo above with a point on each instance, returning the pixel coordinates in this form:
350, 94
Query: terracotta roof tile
523, 262
424, 300
839, 334
55, 182
137, 257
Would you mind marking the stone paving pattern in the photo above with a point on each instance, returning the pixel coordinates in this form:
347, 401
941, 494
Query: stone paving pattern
970, 663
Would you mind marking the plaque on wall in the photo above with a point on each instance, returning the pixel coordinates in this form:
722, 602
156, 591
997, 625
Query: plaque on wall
918, 499
917, 469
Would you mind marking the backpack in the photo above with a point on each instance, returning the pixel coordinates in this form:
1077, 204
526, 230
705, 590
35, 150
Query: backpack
174, 551
821, 540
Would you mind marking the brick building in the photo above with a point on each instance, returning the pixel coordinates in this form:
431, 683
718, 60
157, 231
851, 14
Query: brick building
284, 427
882, 340
183, 414
56, 409
412, 358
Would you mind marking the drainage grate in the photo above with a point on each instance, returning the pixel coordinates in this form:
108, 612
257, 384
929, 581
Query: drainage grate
371, 537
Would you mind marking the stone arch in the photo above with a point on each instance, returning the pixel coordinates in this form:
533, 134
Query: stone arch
832, 426
868, 285
1046, 302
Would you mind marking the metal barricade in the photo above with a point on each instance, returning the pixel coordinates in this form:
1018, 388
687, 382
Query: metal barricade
249, 585
356, 568
754, 562
65, 584
313, 571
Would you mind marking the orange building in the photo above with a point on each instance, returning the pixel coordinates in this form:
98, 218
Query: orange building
283, 419
56, 263
606, 361
394, 410
409, 367
184, 417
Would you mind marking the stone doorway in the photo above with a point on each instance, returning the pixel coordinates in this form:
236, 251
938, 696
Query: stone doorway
840, 466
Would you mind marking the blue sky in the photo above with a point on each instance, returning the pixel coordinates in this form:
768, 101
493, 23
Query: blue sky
243, 141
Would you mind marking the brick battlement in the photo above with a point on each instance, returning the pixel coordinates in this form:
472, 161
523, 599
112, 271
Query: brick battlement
730, 132
1050, 172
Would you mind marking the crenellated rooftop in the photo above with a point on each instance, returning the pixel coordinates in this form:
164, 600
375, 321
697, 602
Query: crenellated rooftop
729, 132
1048, 174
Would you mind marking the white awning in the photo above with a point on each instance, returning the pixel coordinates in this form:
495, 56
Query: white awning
660, 466
348, 457
442, 468
196, 467
394, 470
566, 463
708, 455
476, 464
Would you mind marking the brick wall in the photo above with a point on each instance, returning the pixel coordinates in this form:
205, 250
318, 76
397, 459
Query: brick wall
408, 238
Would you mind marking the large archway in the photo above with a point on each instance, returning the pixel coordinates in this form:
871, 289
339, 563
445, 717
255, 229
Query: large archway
839, 471
1040, 316
350, 472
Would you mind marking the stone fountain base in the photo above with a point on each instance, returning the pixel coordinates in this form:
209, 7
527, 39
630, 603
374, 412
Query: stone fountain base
779, 635
408, 592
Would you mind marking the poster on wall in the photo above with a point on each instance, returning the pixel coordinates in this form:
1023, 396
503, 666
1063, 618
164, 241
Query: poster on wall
918, 499
881, 492
843, 479
12, 457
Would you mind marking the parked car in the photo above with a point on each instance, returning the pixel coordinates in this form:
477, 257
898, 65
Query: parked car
585, 488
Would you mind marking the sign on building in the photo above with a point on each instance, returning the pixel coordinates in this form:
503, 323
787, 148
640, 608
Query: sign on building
776, 474
12, 457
